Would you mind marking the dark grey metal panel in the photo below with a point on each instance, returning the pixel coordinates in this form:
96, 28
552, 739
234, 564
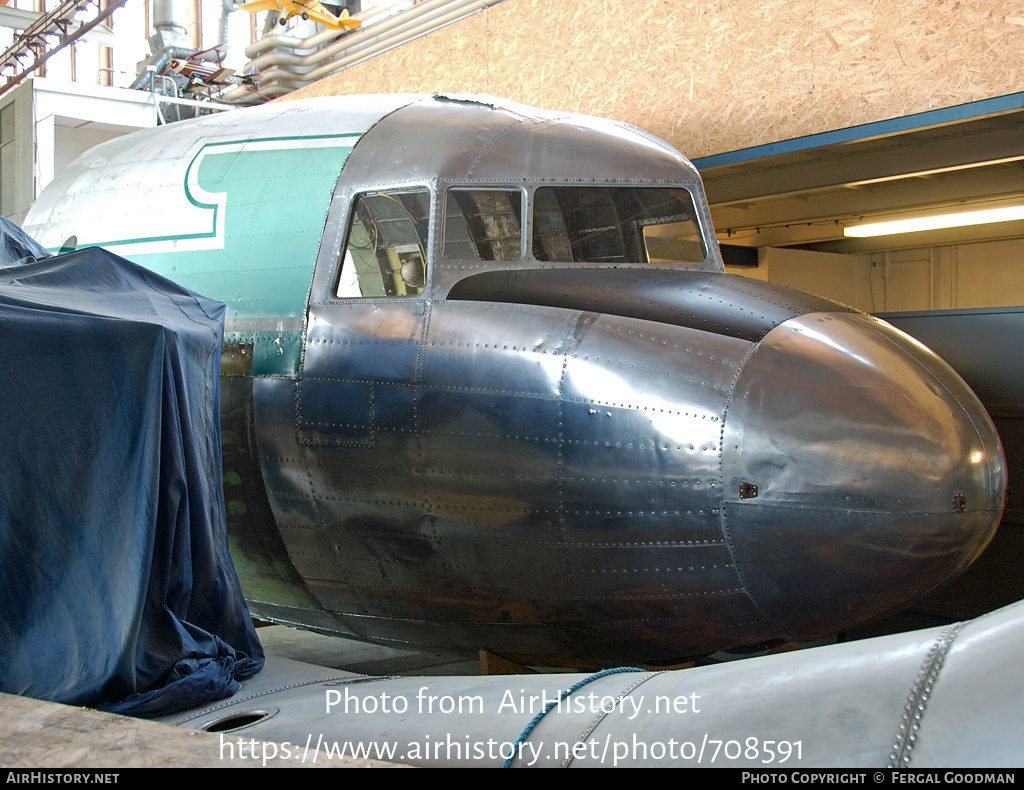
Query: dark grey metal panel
984, 345
721, 304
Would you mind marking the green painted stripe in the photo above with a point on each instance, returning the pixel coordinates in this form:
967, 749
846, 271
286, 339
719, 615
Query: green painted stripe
275, 206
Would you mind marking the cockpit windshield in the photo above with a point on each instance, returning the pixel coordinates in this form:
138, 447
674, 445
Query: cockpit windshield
574, 224
616, 224
385, 249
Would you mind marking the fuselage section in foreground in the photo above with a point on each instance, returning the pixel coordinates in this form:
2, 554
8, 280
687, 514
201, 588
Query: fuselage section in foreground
486, 386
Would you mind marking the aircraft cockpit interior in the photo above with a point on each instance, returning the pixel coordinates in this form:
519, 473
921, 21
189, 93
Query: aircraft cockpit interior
385, 248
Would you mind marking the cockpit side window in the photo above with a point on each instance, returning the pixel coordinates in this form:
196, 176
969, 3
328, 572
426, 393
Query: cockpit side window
385, 249
483, 224
616, 225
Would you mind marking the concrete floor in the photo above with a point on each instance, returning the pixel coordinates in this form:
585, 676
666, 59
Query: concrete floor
46, 735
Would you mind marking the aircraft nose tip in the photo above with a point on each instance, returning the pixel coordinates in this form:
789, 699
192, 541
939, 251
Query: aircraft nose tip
859, 471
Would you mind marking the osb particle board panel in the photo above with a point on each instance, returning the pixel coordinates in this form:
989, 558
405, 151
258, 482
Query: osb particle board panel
715, 75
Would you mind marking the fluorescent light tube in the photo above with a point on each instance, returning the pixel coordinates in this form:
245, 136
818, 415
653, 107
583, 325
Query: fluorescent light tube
958, 220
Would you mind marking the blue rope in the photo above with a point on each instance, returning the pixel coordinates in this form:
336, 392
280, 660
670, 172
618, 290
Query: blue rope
562, 695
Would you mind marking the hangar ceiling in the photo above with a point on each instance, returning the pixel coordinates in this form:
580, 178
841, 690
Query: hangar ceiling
804, 192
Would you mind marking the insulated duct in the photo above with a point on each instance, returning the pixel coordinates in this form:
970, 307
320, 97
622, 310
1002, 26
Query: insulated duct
170, 40
286, 63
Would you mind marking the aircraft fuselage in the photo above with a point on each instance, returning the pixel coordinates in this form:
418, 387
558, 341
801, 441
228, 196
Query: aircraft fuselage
486, 385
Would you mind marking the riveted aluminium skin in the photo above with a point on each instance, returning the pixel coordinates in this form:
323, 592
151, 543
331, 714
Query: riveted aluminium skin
555, 461
895, 701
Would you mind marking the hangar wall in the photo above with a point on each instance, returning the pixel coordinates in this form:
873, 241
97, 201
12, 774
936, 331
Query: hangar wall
715, 75
983, 274
16, 153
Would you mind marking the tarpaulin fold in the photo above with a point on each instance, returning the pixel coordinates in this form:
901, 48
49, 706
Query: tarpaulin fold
116, 587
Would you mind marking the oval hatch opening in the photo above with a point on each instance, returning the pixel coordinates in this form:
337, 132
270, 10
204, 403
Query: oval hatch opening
235, 721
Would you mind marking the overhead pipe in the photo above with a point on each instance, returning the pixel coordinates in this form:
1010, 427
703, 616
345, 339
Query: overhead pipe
362, 38
170, 14
401, 19
170, 39
317, 39
263, 57
361, 45
226, 9
364, 52
425, 27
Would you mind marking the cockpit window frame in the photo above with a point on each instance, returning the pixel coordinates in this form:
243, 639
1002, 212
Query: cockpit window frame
352, 201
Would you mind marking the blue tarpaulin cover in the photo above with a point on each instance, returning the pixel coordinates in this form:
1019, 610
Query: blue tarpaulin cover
116, 587
16, 245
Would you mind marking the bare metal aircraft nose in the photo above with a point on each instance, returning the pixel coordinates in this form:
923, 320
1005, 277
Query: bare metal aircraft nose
859, 471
